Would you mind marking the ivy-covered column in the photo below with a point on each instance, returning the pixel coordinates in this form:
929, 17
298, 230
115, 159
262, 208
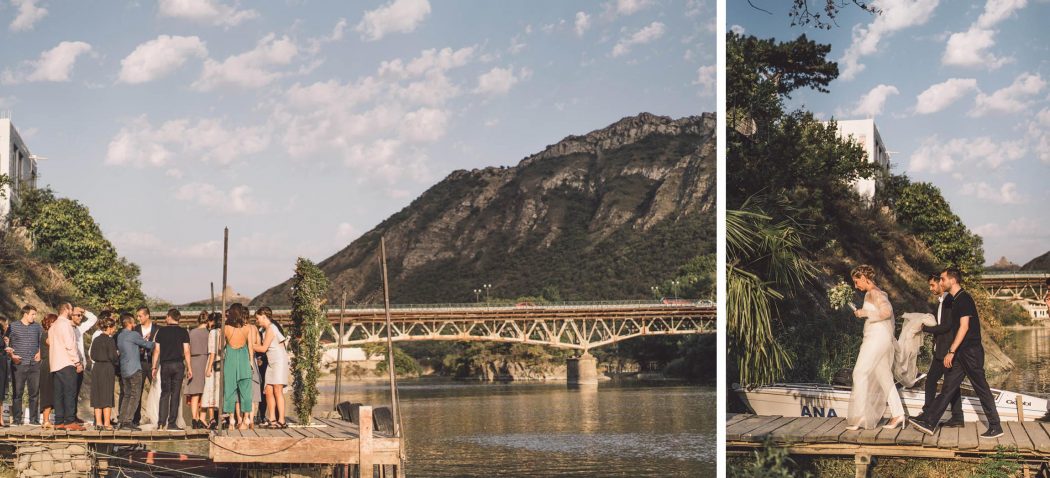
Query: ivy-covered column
310, 289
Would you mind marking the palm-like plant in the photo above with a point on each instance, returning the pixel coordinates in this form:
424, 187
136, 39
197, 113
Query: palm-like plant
764, 260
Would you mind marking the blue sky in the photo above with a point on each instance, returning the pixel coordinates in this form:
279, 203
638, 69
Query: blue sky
302, 124
961, 95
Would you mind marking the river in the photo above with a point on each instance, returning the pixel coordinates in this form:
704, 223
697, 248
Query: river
1029, 348
458, 429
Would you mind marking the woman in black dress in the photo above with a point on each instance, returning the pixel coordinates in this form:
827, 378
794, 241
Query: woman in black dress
47, 386
103, 373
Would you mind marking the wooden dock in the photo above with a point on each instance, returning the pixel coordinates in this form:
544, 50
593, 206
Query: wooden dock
828, 436
328, 442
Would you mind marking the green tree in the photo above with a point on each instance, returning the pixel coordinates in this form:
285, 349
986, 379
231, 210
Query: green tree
310, 287
922, 209
30, 202
67, 235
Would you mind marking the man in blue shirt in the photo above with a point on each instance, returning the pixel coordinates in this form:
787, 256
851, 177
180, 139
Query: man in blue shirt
24, 348
131, 374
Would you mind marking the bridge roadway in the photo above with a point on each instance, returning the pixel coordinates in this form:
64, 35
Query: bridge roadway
1016, 285
580, 325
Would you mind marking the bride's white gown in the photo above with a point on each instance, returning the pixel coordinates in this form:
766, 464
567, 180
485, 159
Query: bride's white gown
873, 374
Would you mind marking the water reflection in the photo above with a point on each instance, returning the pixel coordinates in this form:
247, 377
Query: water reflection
1030, 351
465, 429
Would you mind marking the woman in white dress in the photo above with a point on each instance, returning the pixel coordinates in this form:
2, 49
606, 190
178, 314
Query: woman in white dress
873, 374
273, 344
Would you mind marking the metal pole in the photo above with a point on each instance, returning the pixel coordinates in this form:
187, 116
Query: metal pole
398, 431
213, 297
222, 318
339, 355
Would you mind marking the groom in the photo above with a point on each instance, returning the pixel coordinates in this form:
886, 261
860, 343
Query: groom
943, 334
965, 357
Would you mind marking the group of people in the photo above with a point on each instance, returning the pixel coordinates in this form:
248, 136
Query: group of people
225, 375
958, 353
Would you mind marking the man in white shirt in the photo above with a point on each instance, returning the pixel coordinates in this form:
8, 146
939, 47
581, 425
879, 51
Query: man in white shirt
943, 334
80, 327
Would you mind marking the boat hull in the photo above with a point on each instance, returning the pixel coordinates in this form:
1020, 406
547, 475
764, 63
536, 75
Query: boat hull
819, 400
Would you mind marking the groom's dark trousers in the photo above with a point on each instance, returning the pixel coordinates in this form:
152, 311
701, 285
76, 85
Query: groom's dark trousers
969, 363
943, 335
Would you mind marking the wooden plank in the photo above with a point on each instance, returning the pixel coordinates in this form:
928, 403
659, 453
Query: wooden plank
733, 418
364, 443
829, 432
790, 428
758, 434
849, 436
1007, 440
799, 434
949, 438
745, 426
1021, 439
868, 437
1039, 435
930, 441
968, 439
888, 436
910, 436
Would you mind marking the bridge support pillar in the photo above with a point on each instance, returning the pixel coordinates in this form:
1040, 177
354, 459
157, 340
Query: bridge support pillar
863, 462
582, 370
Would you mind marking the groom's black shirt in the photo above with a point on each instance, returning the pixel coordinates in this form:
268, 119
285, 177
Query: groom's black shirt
964, 306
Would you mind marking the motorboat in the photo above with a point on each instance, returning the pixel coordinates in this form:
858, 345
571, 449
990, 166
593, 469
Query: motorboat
832, 400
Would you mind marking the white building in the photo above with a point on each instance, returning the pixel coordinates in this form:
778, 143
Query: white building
865, 133
17, 163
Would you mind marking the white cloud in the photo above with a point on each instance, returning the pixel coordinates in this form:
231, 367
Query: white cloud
424, 125
896, 15
706, 79
1038, 135
28, 14
1010, 99
969, 48
338, 31
398, 16
205, 11
427, 61
873, 102
238, 200
54, 65
648, 34
1022, 227
159, 57
1005, 194
630, 7
582, 24
140, 144
517, 44
936, 156
739, 30
942, 95
498, 81
251, 69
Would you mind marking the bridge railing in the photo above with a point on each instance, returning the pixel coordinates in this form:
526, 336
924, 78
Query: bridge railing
487, 305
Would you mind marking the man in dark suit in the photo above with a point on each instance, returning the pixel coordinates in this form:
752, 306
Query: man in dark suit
943, 334
965, 359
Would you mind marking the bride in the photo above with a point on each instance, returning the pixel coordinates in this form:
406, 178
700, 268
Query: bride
873, 374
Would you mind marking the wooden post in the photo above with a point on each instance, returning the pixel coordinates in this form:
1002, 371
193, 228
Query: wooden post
863, 462
395, 410
364, 447
339, 354
222, 318
1020, 408
213, 297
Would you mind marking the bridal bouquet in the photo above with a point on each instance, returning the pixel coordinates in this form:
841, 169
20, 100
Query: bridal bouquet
841, 296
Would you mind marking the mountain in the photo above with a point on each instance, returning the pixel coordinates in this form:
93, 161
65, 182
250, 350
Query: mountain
232, 296
605, 215
1003, 264
1041, 263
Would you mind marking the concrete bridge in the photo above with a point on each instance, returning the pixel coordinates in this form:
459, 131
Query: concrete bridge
570, 325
